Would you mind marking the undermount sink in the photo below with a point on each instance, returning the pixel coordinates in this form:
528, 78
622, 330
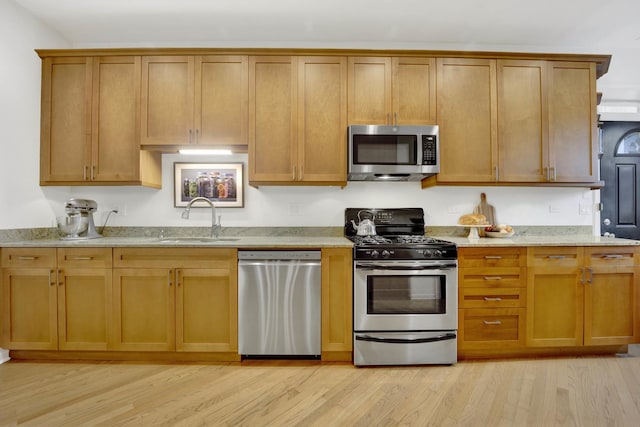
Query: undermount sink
196, 239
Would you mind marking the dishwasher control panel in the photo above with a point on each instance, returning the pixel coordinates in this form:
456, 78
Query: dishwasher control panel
279, 255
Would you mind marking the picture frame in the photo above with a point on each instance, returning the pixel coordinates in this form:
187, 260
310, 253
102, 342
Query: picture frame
221, 183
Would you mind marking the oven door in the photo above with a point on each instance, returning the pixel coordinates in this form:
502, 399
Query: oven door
405, 296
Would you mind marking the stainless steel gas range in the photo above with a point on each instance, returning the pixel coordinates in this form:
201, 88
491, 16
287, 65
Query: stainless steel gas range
405, 289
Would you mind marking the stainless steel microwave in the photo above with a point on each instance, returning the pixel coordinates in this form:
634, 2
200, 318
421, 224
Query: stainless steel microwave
393, 153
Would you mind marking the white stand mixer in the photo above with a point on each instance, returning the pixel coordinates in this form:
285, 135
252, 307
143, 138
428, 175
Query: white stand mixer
78, 224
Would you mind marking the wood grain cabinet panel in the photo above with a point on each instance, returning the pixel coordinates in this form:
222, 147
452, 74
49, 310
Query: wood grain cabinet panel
29, 295
337, 304
84, 298
90, 123
582, 296
392, 90
492, 299
297, 120
194, 100
188, 305
467, 116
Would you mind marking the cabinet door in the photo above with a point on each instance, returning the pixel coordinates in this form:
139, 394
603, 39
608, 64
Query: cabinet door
572, 122
207, 309
167, 100
322, 121
84, 304
413, 86
272, 119
29, 309
115, 147
466, 102
337, 306
221, 100
611, 296
522, 121
65, 140
555, 307
143, 309
369, 90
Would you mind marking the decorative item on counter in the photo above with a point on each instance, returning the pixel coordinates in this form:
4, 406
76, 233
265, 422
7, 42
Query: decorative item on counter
473, 222
487, 210
499, 231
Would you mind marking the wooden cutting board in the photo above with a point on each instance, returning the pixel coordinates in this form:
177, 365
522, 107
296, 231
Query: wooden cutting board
487, 210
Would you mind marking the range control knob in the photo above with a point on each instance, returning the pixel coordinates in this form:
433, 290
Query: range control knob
374, 254
385, 254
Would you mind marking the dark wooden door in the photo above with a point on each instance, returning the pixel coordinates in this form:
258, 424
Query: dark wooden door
620, 171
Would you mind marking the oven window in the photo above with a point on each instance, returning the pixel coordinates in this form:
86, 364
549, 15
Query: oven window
385, 149
406, 294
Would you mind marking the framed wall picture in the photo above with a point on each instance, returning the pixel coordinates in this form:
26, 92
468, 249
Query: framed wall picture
222, 183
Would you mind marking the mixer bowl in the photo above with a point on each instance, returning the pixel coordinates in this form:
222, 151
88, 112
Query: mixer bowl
71, 226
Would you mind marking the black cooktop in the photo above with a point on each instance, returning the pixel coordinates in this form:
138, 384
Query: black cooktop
399, 235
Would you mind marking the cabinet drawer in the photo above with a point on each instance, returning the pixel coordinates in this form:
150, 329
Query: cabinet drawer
84, 258
491, 326
491, 257
492, 298
175, 257
612, 256
554, 257
491, 278
29, 257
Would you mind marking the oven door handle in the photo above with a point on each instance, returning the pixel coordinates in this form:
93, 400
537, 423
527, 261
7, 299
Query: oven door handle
444, 337
405, 267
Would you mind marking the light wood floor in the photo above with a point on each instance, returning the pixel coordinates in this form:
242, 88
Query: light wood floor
603, 391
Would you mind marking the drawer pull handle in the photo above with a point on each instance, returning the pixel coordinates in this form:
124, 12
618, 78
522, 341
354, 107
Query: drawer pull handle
492, 257
83, 258
492, 299
556, 257
492, 278
612, 256
27, 258
495, 322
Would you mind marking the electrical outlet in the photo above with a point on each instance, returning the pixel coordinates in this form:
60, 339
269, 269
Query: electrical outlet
554, 209
294, 210
585, 209
453, 209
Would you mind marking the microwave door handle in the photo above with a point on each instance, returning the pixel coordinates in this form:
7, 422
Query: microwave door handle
443, 337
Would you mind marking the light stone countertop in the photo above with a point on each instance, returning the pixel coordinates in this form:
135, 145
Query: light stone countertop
242, 242
539, 240
298, 237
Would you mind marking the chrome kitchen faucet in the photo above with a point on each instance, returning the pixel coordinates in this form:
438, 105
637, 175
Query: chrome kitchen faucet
215, 228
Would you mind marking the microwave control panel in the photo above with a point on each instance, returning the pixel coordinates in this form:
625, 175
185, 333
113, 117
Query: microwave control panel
429, 150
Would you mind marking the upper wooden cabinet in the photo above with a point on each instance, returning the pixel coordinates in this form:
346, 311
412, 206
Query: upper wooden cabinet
392, 90
516, 122
297, 120
194, 100
90, 123
572, 122
467, 118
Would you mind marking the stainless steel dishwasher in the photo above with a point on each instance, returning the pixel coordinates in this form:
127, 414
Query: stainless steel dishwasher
279, 304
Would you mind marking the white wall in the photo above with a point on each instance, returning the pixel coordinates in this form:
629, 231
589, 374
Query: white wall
24, 204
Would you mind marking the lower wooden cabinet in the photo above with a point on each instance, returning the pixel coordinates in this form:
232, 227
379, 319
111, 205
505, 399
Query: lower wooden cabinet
29, 299
189, 305
491, 298
337, 304
56, 299
583, 296
84, 298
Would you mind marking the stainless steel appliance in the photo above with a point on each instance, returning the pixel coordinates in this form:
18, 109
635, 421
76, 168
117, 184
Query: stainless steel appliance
405, 289
393, 153
279, 304
78, 224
